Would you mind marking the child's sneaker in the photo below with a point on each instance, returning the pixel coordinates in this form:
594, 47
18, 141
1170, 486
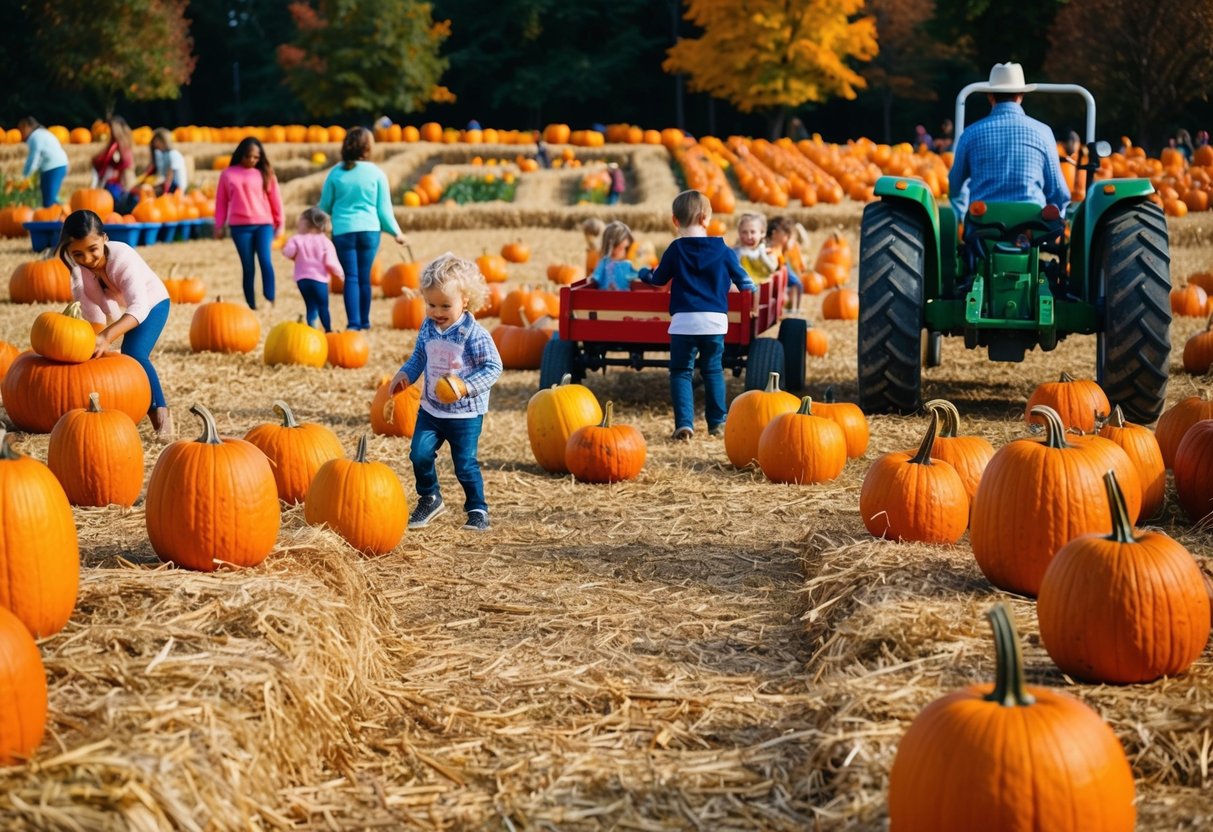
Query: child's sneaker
682, 435
478, 520
716, 430
428, 507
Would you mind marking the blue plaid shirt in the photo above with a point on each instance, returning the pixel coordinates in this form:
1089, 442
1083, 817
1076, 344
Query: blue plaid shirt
481, 367
1007, 156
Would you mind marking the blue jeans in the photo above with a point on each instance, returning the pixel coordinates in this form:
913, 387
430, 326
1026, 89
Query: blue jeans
682, 363
139, 342
316, 301
250, 239
50, 180
356, 251
464, 436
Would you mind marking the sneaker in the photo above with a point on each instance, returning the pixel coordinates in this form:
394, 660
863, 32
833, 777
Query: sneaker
682, 435
716, 430
428, 507
478, 520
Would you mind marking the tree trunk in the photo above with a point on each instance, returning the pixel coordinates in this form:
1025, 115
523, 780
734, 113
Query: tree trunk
776, 121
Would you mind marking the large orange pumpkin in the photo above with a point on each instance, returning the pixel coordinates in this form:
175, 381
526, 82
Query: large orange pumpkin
606, 452
401, 276
749, 414
97, 456
98, 200
553, 415
1077, 401
521, 347
969, 759
1175, 422
224, 327
349, 349
23, 698
361, 500
1142, 448
492, 266
63, 336
1194, 471
295, 449
1190, 301
801, 447
41, 281
38, 391
212, 501
850, 418
521, 306
39, 551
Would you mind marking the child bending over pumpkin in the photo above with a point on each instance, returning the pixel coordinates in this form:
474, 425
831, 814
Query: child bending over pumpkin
460, 363
614, 269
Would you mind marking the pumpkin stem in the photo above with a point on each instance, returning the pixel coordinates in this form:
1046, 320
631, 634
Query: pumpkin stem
7, 451
1055, 431
1066, 377
1009, 689
772, 383
608, 413
923, 457
806, 406
284, 410
567, 378
94, 402
210, 434
72, 310
522, 316
360, 454
1117, 419
950, 426
1122, 527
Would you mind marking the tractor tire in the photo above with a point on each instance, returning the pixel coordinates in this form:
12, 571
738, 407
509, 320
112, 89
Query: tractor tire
1133, 350
559, 359
765, 357
793, 335
892, 257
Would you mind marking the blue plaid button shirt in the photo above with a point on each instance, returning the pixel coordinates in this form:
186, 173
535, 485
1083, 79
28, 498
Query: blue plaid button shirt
1008, 156
481, 361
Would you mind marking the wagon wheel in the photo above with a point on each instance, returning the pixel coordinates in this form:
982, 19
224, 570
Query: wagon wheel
765, 357
560, 358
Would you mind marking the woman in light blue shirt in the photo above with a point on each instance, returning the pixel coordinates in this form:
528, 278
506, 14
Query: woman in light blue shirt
46, 157
357, 196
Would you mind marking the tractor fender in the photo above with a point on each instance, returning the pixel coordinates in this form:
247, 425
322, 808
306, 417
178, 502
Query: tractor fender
1088, 222
915, 193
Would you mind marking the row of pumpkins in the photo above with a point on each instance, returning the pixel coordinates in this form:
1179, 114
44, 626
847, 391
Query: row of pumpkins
150, 208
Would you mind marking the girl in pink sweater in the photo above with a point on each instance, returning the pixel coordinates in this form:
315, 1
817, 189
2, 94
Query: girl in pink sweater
315, 259
248, 202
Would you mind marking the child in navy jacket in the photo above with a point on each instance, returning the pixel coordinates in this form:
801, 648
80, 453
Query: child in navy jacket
701, 269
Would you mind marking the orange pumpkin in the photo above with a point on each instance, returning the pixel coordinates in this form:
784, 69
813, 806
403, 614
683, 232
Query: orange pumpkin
1175, 422
401, 276
516, 252
1141, 446
606, 452
492, 266
361, 500
63, 336
396, 415
523, 302
800, 447
1077, 401
41, 281
295, 449
840, 304
185, 289
850, 418
349, 349
224, 327
97, 456
553, 415
22, 690
1190, 301
38, 391
1194, 471
521, 347
13, 219
1198, 351
492, 302
8, 354
969, 455
408, 312
562, 274
98, 200
749, 414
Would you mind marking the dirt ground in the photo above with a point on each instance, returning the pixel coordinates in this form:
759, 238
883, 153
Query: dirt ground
696, 649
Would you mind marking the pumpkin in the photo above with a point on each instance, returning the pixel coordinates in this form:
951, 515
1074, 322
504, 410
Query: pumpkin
97, 456
1198, 351
185, 289
1142, 448
850, 418
1194, 471
910, 496
835, 251
1038, 494
1191, 301
1172, 424
523, 302
41, 281
349, 349
801, 447
562, 274
295, 449
449, 389
553, 415
98, 200
816, 342
408, 312
37, 391
23, 697
749, 414
971, 759
13, 219
212, 501
492, 266
401, 276
969, 455
63, 336
1077, 401
39, 551
492, 302
294, 342
521, 347
396, 415
605, 452
8, 354
224, 327
361, 500
516, 252
1123, 608
840, 304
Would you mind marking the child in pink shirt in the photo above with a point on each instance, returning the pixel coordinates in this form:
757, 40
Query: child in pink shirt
315, 259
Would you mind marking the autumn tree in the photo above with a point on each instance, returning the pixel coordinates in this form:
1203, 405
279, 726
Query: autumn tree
365, 57
1143, 67
774, 55
906, 64
137, 49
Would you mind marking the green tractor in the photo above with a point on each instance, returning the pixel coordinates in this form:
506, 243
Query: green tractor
1025, 277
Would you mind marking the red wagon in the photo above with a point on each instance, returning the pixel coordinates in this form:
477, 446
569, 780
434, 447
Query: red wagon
600, 329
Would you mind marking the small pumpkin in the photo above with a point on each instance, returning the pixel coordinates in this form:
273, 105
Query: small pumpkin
1198, 351
523, 302
449, 389
521, 347
1123, 607
563, 274
294, 342
185, 289
212, 501
553, 415
910, 496
97, 456
969, 758
840, 304
349, 349
38, 391
969, 455
1190, 301
63, 336
1172, 424
493, 267
98, 200
22, 692
1142, 448
401, 276
396, 415
516, 252
749, 414
39, 550
850, 418
295, 449
605, 452
1075, 400
224, 327
816, 342
801, 447
1194, 471
408, 312
361, 500
492, 302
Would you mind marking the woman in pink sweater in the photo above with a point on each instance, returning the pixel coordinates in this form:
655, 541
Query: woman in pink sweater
248, 202
315, 259
117, 289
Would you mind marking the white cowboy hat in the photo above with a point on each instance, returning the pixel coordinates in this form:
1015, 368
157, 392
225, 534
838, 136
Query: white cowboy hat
1008, 77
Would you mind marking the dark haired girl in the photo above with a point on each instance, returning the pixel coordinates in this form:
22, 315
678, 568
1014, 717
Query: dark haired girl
248, 202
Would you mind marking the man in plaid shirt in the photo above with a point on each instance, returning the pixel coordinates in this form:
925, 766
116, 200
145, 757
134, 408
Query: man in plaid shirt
1007, 156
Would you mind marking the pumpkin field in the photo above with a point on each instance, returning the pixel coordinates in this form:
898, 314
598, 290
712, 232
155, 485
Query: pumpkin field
695, 648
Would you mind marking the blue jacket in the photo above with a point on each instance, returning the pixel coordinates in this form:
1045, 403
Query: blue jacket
701, 269
481, 366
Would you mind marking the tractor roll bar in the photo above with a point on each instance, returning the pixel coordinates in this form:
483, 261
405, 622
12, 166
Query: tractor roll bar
984, 86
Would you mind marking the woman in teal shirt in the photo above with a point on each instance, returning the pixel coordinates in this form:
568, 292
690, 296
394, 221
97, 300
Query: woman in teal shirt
357, 196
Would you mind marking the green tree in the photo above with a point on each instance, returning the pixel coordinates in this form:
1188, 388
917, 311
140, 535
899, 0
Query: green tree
365, 57
987, 32
773, 55
138, 49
